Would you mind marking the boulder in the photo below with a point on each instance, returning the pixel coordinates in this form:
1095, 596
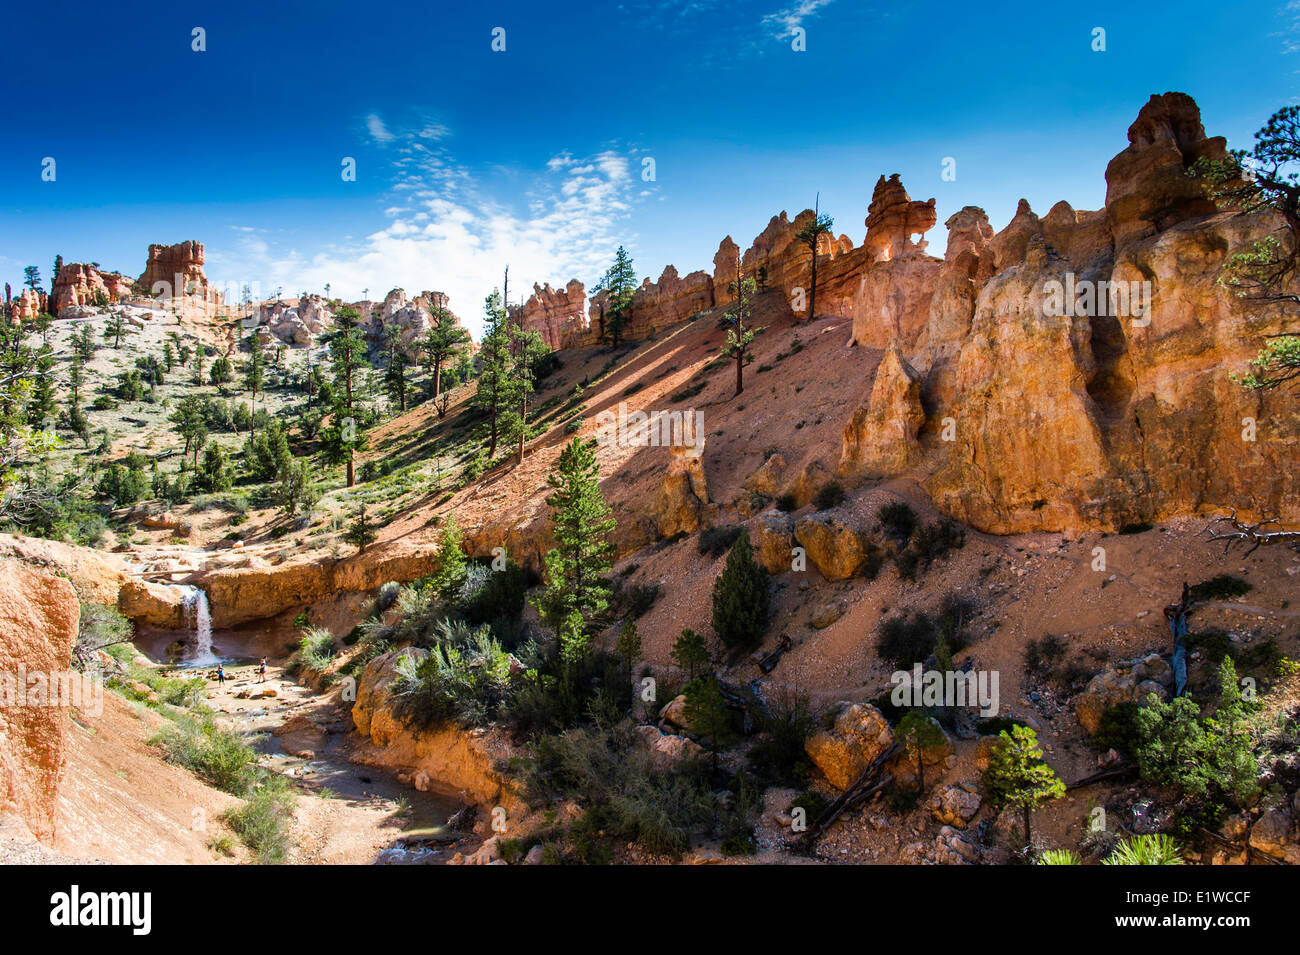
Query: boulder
952, 848
955, 805
1271, 835
773, 541
837, 548
668, 749
769, 477
826, 613
860, 734
674, 712
810, 480
1130, 682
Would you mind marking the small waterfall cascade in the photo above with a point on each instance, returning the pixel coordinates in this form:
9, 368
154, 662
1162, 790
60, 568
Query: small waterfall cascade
198, 618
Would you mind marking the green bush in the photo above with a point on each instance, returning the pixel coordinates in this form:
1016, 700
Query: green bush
714, 540
779, 754
501, 597
898, 518
906, 639
630, 798
315, 650
264, 821
830, 495
1220, 587
464, 678
218, 756
1117, 728
1145, 850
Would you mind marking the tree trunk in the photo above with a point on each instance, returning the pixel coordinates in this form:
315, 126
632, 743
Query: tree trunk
740, 372
523, 425
352, 474
1028, 839
812, 292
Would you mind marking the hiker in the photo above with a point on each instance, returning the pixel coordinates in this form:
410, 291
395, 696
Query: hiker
221, 674
262, 670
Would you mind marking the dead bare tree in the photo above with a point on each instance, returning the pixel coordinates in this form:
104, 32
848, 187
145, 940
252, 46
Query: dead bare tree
1248, 533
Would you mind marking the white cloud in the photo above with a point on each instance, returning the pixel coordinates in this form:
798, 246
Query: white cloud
447, 233
782, 23
378, 131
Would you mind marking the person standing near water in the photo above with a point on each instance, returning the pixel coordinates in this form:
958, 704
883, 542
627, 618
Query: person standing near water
221, 674
262, 670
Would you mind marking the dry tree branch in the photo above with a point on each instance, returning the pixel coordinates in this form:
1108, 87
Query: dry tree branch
1248, 533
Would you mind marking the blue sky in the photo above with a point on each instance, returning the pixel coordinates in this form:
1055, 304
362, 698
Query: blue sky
469, 159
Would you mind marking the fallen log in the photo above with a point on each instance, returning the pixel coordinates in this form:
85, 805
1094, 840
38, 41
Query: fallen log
864, 786
1117, 773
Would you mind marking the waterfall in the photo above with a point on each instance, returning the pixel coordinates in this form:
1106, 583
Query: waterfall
198, 619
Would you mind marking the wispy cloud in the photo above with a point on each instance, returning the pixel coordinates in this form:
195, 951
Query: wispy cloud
442, 229
377, 130
783, 23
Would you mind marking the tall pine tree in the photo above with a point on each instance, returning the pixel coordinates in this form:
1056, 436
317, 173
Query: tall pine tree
741, 598
495, 384
440, 345
344, 437
575, 581
618, 283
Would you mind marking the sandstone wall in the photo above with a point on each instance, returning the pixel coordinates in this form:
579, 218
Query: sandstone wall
39, 616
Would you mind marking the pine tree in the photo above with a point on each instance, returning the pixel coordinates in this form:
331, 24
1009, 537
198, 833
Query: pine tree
580, 521
918, 732
495, 392
41, 409
1173, 748
741, 598
359, 533
450, 576
440, 345
84, 344
619, 284
706, 712
345, 435
690, 653
1017, 776
395, 365
740, 335
216, 473
220, 373
191, 420
627, 645
529, 348
294, 486
75, 377
1237, 773
254, 370
116, 328
810, 236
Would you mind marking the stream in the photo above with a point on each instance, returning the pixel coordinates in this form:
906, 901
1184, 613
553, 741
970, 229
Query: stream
347, 813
